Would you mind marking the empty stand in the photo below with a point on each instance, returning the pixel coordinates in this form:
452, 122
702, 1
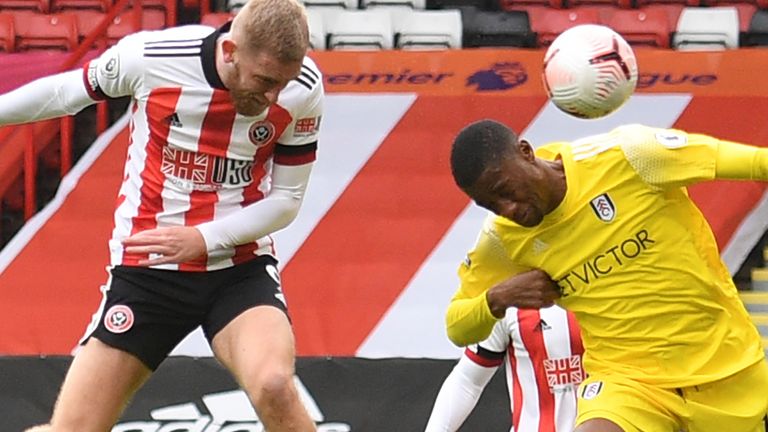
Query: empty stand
346, 4
102, 5
707, 29
435, 29
689, 3
45, 31
757, 32
317, 32
510, 5
414, 4
215, 19
121, 26
496, 28
37, 5
641, 27
758, 4
360, 30
7, 32
489, 5
548, 23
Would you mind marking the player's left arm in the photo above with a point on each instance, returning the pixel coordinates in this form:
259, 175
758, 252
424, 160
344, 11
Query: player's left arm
668, 158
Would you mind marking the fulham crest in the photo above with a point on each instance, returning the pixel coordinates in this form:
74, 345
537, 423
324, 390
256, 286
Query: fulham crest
118, 319
604, 208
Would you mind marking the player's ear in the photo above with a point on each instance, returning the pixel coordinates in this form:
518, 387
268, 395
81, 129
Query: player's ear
526, 149
228, 48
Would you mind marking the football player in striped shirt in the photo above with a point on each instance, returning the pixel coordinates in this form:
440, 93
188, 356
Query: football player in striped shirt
223, 135
541, 350
604, 227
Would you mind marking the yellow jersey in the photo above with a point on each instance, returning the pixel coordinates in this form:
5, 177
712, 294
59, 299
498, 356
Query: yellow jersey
635, 259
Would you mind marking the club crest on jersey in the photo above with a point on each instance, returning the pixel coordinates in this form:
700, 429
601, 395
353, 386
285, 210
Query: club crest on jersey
118, 319
603, 207
591, 390
671, 140
261, 132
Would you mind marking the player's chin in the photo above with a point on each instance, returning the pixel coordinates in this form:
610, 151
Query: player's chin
250, 109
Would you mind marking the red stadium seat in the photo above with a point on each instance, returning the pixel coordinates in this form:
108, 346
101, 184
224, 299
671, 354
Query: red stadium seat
510, 5
641, 27
671, 10
38, 5
7, 32
121, 26
45, 31
102, 5
690, 3
215, 19
548, 23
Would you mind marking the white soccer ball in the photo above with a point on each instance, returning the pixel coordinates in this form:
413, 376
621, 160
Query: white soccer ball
589, 71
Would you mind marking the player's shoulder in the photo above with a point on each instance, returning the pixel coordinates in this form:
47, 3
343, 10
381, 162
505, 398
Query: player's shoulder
310, 78
170, 42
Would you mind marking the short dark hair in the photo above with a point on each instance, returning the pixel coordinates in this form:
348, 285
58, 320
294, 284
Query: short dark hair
477, 147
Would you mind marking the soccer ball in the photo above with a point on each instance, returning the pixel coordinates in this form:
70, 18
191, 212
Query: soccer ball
589, 71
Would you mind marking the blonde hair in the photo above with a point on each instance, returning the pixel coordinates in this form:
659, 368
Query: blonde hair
278, 27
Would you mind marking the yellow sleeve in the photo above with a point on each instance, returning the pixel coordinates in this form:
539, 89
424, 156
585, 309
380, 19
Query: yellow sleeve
468, 318
737, 161
668, 158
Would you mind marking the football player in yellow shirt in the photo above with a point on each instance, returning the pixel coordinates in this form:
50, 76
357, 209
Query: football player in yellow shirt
604, 227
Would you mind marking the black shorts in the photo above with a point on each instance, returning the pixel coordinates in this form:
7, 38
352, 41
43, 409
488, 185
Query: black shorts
147, 312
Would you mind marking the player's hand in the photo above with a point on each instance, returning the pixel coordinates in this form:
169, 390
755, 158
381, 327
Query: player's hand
533, 289
171, 245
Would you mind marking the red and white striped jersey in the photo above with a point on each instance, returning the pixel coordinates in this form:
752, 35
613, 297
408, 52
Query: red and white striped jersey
192, 157
542, 352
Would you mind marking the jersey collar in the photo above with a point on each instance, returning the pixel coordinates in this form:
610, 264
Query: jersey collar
208, 57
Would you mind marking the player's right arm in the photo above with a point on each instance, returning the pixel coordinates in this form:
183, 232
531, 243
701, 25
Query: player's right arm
67, 93
462, 388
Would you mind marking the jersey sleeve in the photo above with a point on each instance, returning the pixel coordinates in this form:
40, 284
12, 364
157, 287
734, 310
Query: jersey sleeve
469, 319
298, 143
669, 158
119, 71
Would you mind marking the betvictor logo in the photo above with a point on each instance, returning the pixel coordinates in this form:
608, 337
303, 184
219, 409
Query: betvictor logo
227, 412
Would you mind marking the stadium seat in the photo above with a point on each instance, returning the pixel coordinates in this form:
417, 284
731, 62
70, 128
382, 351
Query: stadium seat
45, 31
496, 28
757, 33
758, 4
688, 3
102, 5
625, 4
414, 4
38, 5
707, 29
671, 10
641, 27
317, 33
511, 5
487, 5
7, 32
346, 4
215, 19
548, 23
122, 25
436, 29
360, 30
